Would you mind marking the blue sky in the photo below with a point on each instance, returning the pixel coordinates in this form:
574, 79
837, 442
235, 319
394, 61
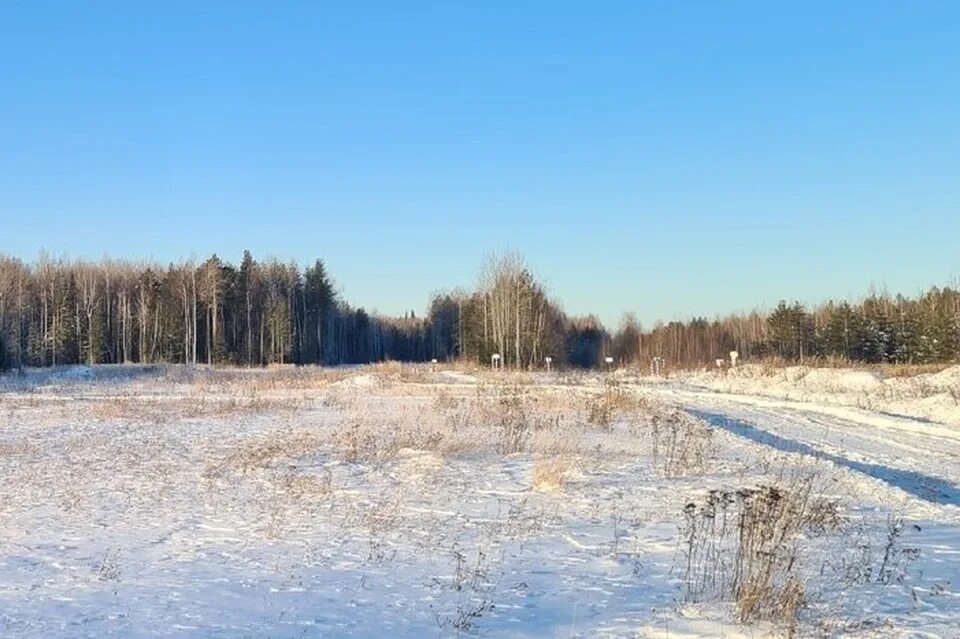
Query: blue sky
666, 158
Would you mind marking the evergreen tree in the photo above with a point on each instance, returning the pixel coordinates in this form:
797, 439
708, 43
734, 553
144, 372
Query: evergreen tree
318, 302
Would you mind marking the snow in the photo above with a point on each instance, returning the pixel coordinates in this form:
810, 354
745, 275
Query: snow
357, 381
457, 377
933, 397
173, 502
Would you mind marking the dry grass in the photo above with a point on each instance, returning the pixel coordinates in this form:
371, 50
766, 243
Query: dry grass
500, 418
886, 370
260, 453
166, 410
613, 403
400, 435
746, 546
550, 474
16, 448
368, 437
360, 441
272, 378
495, 416
300, 487
773, 365
203, 393
682, 445
770, 366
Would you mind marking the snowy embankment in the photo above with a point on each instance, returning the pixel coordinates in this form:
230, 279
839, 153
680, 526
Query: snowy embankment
934, 397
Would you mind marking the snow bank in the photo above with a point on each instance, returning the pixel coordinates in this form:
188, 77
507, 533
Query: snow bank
35, 378
41, 376
73, 373
357, 381
457, 377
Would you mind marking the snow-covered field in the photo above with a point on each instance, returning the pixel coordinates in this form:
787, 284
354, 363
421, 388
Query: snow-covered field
401, 501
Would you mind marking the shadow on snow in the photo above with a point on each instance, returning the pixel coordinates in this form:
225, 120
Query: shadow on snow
925, 487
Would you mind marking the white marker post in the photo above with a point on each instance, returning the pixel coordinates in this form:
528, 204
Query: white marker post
548, 360
733, 358
657, 365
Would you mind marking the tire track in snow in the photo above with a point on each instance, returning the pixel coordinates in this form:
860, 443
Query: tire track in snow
926, 487
913, 457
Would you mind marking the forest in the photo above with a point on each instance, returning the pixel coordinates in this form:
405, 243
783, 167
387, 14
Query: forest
262, 312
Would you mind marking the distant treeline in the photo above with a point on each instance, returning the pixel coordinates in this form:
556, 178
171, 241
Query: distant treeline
260, 312
60, 311
878, 329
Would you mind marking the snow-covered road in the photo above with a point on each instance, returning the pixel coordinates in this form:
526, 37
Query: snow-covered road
918, 457
895, 466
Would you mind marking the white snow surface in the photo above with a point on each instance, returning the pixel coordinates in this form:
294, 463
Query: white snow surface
933, 397
144, 501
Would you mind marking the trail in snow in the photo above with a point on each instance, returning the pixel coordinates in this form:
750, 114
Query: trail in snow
913, 455
925, 487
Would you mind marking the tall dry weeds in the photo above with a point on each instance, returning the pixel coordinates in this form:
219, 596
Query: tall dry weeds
745, 546
681, 444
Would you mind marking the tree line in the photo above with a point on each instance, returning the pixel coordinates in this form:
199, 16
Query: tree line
61, 311
879, 329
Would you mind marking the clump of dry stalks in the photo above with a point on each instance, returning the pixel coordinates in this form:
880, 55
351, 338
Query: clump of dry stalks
613, 402
261, 453
747, 546
682, 444
550, 474
362, 440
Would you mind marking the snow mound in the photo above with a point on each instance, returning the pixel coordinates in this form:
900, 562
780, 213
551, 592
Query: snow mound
843, 380
947, 377
358, 381
825, 379
74, 373
415, 463
456, 377
934, 397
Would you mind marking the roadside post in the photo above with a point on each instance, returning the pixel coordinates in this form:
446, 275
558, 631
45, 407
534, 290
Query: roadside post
656, 366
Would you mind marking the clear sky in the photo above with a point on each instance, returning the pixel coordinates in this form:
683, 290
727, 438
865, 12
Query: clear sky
669, 158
